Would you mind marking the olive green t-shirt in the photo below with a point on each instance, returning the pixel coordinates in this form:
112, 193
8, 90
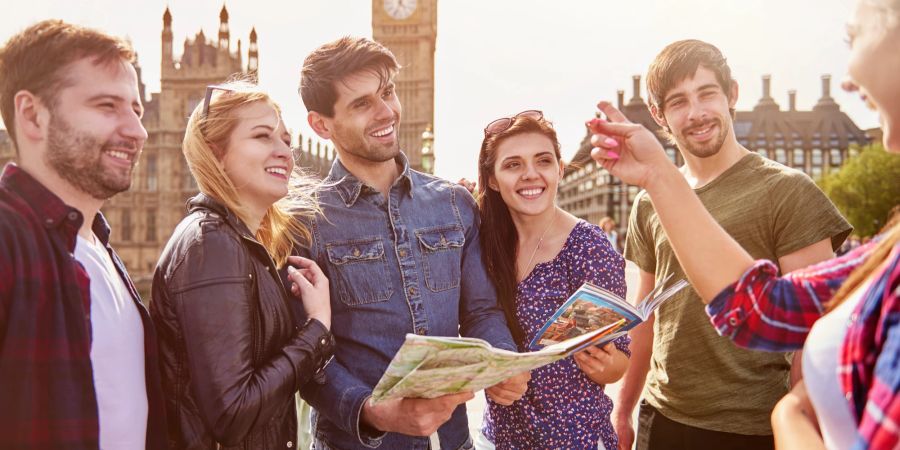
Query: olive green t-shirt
697, 377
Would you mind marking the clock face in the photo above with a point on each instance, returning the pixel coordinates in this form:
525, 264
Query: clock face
399, 9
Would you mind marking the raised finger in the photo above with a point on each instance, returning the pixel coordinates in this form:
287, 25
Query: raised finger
612, 112
614, 129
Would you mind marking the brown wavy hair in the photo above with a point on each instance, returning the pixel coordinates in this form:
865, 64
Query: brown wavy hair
499, 237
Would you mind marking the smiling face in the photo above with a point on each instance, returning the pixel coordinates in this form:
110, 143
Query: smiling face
366, 119
95, 136
257, 156
526, 173
874, 37
697, 111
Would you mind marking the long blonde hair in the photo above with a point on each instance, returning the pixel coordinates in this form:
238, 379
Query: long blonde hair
205, 141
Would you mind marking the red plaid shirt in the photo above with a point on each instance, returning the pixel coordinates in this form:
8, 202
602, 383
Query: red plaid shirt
766, 312
47, 398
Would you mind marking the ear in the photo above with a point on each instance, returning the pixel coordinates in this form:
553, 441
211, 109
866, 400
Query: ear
732, 99
320, 124
562, 168
658, 116
492, 183
31, 116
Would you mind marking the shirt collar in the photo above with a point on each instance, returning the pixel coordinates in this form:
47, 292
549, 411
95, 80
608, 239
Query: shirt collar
349, 187
50, 209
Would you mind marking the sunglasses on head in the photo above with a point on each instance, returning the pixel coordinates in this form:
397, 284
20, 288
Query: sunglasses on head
208, 97
502, 124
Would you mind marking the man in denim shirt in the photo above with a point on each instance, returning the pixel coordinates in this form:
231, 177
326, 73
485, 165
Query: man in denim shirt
402, 253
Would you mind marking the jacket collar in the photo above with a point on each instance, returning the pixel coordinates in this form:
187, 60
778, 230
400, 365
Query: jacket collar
50, 209
202, 201
349, 187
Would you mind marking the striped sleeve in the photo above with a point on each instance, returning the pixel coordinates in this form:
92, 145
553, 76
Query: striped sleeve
763, 311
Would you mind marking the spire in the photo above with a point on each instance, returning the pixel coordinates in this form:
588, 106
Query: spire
253, 54
224, 32
167, 39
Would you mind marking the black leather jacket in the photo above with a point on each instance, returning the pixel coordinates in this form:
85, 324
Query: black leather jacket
231, 356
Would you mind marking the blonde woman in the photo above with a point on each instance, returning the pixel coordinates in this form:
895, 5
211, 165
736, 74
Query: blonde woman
232, 357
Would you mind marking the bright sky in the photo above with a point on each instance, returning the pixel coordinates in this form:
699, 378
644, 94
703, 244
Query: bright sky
498, 57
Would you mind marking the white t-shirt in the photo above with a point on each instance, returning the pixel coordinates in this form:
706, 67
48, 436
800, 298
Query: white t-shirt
820, 372
117, 352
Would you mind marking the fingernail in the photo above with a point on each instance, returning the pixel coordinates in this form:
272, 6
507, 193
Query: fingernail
612, 154
593, 122
610, 142
291, 269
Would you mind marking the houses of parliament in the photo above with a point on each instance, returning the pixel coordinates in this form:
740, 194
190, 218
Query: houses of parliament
143, 217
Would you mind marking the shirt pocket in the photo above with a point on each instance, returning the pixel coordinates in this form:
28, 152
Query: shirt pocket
442, 253
359, 270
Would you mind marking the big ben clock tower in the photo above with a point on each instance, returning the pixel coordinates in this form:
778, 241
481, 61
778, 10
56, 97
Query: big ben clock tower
409, 29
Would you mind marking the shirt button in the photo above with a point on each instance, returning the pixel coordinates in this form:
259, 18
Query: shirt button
412, 291
420, 331
290, 444
402, 253
733, 322
72, 215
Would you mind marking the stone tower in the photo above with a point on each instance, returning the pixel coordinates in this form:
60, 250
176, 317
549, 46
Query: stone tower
409, 29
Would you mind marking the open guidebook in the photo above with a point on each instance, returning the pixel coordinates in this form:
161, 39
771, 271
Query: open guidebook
432, 366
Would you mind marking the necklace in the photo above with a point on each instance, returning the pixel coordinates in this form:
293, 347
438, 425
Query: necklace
538, 246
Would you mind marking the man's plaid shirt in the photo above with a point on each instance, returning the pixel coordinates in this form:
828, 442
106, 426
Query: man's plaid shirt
47, 398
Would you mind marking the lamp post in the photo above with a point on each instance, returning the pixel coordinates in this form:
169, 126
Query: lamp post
427, 150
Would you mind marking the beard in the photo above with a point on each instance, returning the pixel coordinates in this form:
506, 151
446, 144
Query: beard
77, 157
706, 149
358, 145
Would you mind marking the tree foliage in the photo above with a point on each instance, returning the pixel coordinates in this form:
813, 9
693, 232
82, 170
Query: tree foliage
865, 188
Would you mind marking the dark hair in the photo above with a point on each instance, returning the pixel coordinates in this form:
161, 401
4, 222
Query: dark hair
335, 61
499, 238
35, 60
679, 61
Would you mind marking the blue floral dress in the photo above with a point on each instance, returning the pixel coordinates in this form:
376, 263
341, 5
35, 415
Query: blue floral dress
563, 408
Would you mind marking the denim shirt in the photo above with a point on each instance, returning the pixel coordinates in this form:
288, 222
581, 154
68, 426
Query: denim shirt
408, 263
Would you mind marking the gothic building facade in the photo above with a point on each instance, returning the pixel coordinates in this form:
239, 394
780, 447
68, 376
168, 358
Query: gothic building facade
813, 141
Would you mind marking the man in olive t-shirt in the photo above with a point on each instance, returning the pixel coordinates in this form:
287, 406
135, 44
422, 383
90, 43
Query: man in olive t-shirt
701, 390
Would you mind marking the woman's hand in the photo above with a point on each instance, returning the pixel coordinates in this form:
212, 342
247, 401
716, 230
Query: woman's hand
794, 421
627, 150
603, 365
311, 285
